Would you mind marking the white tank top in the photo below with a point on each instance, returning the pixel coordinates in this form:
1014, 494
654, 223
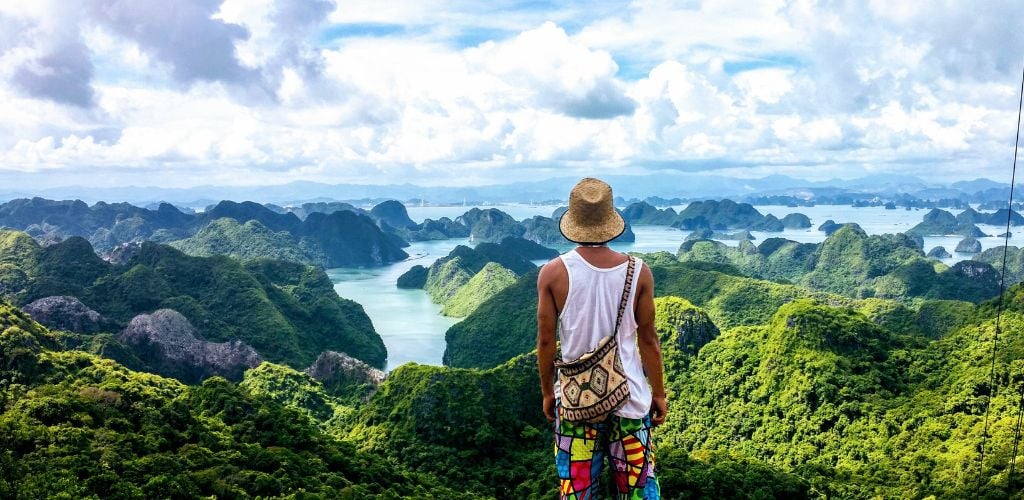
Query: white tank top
589, 314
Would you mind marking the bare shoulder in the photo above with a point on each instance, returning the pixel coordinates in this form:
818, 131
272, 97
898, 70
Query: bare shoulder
646, 276
551, 271
644, 269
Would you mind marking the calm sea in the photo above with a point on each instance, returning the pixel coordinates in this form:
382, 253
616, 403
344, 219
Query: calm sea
413, 328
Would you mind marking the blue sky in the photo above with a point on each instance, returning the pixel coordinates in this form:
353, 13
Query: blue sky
148, 92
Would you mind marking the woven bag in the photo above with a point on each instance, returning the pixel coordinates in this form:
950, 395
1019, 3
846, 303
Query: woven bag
594, 385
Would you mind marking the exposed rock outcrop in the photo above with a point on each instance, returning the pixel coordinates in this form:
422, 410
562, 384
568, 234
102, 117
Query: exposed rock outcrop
489, 224
796, 221
392, 213
939, 252
968, 245
544, 231
169, 343
686, 327
341, 373
64, 312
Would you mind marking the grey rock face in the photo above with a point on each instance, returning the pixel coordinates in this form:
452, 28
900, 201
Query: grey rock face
796, 221
336, 369
489, 224
939, 252
122, 253
969, 245
64, 312
393, 213
695, 331
543, 230
167, 340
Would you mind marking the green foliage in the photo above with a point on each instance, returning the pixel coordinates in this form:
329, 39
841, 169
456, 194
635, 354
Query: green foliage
714, 214
645, 213
480, 430
446, 277
287, 311
856, 410
485, 284
245, 241
297, 390
851, 263
683, 329
722, 474
940, 223
18, 250
505, 325
489, 224
78, 426
466, 277
500, 328
730, 300
1014, 262
937, 318
415, 277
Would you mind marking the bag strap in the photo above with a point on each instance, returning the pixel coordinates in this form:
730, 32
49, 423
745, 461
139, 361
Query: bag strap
630, 269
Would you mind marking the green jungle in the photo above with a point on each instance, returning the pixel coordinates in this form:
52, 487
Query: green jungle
221, 363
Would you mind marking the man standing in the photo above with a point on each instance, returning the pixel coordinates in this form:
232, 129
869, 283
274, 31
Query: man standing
578, 301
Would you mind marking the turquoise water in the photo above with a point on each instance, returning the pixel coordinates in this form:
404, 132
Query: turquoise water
410, 324
413, 328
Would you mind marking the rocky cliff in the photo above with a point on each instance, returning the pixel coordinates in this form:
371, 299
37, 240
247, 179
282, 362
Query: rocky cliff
170, 345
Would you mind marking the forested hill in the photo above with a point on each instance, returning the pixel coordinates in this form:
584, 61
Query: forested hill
286, 312
76, 425
858, 397
854, 368
245, 230
816, 401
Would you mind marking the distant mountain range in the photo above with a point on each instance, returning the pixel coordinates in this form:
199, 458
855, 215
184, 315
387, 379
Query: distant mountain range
682, 186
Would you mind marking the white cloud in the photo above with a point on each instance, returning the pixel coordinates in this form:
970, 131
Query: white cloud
766, 85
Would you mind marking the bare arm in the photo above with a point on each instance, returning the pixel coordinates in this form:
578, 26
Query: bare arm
649, 345
547, 317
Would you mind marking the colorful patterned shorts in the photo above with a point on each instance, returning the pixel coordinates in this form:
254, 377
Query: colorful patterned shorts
580, 451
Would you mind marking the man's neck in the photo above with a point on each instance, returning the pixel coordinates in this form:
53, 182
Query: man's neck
594, 249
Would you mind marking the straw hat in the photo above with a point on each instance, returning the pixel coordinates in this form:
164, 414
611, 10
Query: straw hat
591, 217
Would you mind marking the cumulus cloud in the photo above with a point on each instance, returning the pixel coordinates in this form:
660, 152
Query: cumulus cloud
182, 34
270, 90
558, 73
63, 75
299, 15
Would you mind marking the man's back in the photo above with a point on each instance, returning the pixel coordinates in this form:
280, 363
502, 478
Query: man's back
578, 298
553, 288
589, 312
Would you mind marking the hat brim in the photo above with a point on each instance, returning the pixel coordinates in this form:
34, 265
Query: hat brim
612, 227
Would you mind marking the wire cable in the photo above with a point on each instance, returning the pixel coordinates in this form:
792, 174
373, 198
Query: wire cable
999, 303
1016, 434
